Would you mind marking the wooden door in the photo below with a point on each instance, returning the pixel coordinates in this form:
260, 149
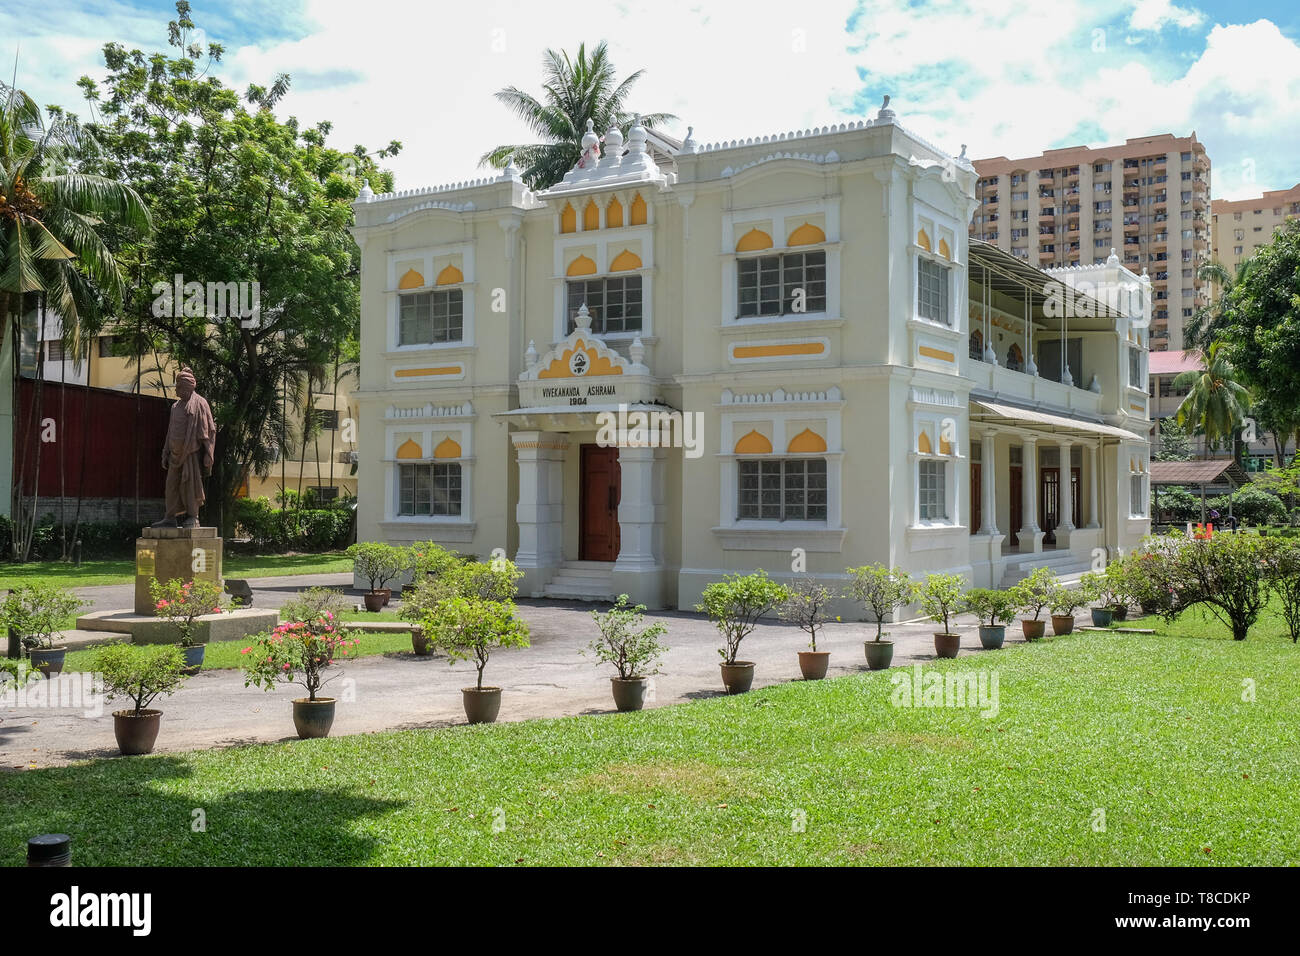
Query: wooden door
598, 504
1016, 489
1049, 498
1076, 507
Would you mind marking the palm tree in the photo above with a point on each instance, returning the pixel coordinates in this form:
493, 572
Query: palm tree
1216, 403
574, 91
1208, 320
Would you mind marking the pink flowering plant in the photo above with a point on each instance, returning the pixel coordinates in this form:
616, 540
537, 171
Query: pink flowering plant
297, 652
182, 602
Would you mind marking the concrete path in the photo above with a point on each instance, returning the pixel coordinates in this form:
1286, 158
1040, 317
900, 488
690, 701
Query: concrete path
400, 691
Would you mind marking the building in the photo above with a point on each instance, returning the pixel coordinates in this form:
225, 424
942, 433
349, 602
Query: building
812, 364
1241, 226
1148, 198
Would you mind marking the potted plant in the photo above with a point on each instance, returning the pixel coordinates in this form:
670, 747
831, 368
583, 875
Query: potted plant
995, 610
37, 612
300, 652
1096, 587
470, 629
378, 563
1118, 575
1065, 601
632, 649
496, 580
882, 591
180, 603
734, 605
941, 596
1032, 595
806, 609
141, 674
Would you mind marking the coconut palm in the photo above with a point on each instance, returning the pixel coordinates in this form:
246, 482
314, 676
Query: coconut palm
1208, 320
575, 90
1216, 403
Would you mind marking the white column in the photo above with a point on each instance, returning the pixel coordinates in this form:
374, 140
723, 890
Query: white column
636, 509
988, 493
1094, 483
1030, 535
540, 512
1066, 503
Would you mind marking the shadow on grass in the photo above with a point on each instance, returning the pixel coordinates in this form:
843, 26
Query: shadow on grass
136, 811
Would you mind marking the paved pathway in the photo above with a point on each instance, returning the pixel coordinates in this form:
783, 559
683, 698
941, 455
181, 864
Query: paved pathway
398, 691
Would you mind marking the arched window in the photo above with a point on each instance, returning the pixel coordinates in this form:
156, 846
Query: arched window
977, 345
1015, 358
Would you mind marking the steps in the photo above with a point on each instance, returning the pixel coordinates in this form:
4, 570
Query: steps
1066, 565
582, 581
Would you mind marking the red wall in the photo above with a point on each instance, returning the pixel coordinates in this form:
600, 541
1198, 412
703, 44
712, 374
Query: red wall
120, 435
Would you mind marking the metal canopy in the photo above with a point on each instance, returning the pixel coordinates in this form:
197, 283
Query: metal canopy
1013, 415
1011, 276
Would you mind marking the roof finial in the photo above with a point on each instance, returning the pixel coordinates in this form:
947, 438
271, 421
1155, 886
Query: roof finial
366, 193
885, 114
688, 144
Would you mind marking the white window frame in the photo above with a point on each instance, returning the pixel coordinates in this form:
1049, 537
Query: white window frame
427, 255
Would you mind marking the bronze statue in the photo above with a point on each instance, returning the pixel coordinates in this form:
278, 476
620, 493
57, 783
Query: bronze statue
187, 455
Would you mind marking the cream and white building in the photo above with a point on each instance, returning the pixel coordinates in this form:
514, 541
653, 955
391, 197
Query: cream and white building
834, 372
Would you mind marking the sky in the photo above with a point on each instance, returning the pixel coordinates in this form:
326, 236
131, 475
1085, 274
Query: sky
1005, 77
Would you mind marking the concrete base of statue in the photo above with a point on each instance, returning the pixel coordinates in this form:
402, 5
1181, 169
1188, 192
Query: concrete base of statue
146, 629
169, 553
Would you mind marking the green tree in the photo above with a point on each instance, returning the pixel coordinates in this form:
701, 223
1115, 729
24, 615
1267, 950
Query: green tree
240, 197
1174, 443
1216, 402
575, 90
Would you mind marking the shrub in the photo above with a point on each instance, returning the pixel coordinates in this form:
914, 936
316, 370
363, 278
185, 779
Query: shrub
38, 611
1253, 505
941, 597
180, 602
1176, 503
1223, 573
1098, 586
806, 607
378, 562
1282, 575
296, 652
991, 606
1149, 576
1065, 601
470, 629
430, 558
1035, 592
632, 649
881, 590
314, 603
735, 604
139, 673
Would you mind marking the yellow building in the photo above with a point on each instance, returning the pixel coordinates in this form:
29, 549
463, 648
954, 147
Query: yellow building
1242, 226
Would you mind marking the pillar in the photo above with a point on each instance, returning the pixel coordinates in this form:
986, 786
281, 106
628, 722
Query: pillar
1031, 536
988, 486
540, 512
1094, 484
1066, 524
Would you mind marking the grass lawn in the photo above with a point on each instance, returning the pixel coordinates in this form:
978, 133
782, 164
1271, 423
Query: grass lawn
123, 572
1152, 730
1200, 622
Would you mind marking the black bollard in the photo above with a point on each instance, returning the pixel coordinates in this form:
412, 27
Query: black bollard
50, 849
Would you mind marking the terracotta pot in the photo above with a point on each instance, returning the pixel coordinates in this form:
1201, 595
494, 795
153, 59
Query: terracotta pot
1119, 612
879, 654
1062, 623
422, 645
48, 661
374, 600
947, 645
1102, 617
481, 706
1033, 630
629, 694
738, 677
813, 664
193, 658
313, 718
992, 637
136, 733
388, 595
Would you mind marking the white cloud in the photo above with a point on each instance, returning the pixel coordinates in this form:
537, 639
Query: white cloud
1157, 14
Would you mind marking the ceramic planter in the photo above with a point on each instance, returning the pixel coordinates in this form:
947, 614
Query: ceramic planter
1062, 623
313, 718
947, 645
1033, 630
374, 601
136, 732
193, 657
481, 705
879, 654
422, 646
738, 677
388, 595
629, 693
813, 664
1102, 617
49, 661
992, 637
1119, 612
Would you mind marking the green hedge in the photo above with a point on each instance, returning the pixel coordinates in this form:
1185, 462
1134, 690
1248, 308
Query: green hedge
308, 529
99, 539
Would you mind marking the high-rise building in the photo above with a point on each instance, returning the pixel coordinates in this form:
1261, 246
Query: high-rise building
1241, 226
1149, 199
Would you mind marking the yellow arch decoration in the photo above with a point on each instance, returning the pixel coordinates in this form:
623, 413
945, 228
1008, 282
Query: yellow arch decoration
923, 240
753, 443
754, 240
568, 219
806, 442
625, 261
412, 280
806, 235
639, 211
410, 449
449, 276
945, 446
447, 448
581, 266
923, 444
591, 216
944, 250
614, 214
597, 364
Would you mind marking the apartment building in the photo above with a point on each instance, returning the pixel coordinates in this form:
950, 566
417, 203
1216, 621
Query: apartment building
1148, 199
783, 352
1241, 226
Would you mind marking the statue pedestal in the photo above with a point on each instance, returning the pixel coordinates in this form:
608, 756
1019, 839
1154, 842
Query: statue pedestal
167, 553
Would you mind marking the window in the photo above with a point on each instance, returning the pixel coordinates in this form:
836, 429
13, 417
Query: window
976, 346
105, 346
325, 492
54, 350
932, 292
432, 489
1137, 493
790, 489
614, 303
327, 419
430, 317
1134, 367
932, 485
768, 285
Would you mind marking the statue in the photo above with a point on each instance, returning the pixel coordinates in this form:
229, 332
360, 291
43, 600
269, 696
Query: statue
187, 456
